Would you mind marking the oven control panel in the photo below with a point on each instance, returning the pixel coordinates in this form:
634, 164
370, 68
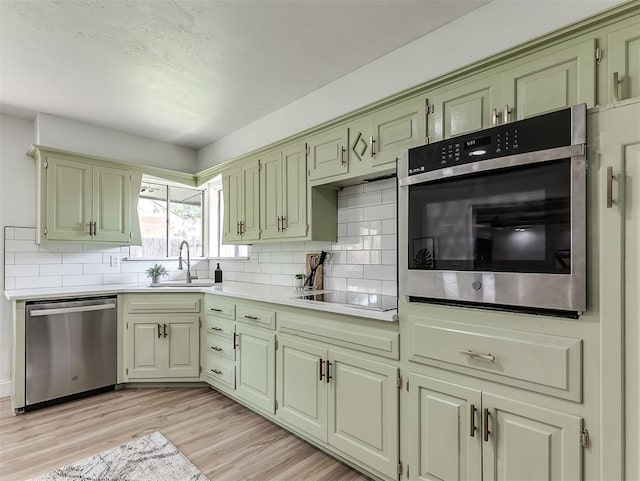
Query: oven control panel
543, 132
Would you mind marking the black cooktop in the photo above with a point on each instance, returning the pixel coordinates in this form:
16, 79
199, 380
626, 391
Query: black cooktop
361, 300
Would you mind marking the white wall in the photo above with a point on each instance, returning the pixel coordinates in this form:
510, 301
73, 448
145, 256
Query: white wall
67, 134
490, 29
17, 207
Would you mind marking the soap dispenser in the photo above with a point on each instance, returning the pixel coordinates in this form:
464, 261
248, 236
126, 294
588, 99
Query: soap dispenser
218, 274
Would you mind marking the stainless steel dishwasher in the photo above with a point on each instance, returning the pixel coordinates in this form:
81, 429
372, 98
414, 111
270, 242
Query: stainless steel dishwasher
70, 347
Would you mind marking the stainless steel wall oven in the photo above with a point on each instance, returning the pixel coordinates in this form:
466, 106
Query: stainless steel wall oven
497, 217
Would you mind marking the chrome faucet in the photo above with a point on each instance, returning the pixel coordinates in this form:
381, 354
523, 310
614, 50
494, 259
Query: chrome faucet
188, 261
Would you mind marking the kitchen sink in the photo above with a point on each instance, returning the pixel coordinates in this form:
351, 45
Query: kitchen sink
184, 284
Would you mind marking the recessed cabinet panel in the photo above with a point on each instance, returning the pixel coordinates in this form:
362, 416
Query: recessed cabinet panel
69, 187
145, 353
302, 387
182, 335
397, 128
271, 192
111, 203
624, 60
530, 443
363, 410
329, 154
256, 367
294, 222
251, 201
441, 418
232, 191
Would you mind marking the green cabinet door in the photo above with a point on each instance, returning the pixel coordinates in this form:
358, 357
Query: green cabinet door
464, 107
256, 370
68, 199
397, 128
183, 348
549, 81
302, 386
527, 442
363, 410
329, 154
146, 353
445, 438
232, 194
294, 192
271, 194
250, 187
112, 204
623, 76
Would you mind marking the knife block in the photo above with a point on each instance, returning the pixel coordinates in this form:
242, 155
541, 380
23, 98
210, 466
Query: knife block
318, 280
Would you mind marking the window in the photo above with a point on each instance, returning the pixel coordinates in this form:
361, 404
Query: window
168, 215
216, 249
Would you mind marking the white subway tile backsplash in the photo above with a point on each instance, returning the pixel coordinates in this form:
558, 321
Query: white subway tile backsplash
347, 270
383, 211
372, 227
389, 226
9, 283
355, 214
335, 283
60, 247
99, 269
282, 257
130, 278
364, 257
389, 288
388, 242
389, 257
361, 200
342, 230
380, 185
364, 285
22, 270
25, 233
317, 246
9, 258
82, 258
82, 280
351, 190
282, 280
37, 282
264, 257
372, 242
21, 246
348, 243
37, 257
60, 269
272, 268
380, 272
9, 233
389, 196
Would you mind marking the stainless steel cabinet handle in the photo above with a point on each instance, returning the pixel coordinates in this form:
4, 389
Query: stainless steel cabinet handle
285, 223
279, 221
238, 228
165, 330
253, 318
328, 374
478, 355
67, 310
506, 114
472, 420
215, 309
320, 365
485, 425
242, 228
372, 141
216, 371
216, 348
616, 83
494, 117
159, 331
610, 179
215, 328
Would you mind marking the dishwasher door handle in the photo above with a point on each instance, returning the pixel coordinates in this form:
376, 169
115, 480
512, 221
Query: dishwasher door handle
67, 310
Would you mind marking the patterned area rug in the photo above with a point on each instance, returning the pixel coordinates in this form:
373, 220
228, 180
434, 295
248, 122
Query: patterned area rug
151, 458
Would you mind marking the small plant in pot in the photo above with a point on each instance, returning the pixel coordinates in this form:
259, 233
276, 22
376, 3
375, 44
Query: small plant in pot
299, 283
156, 272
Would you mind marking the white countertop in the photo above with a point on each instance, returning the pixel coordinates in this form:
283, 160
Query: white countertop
241, 290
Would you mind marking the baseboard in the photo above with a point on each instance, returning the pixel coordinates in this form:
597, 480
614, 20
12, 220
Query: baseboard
5, 388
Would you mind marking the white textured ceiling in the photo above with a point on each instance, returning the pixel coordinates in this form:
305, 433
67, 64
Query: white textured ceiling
189, 72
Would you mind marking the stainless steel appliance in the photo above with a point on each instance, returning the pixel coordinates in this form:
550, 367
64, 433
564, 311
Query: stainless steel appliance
497, 217
70, 347
375, 302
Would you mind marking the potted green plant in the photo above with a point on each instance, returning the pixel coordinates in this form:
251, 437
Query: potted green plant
155, 272
299, 282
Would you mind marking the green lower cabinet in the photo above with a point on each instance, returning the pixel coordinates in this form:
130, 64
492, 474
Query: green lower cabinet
347, 401
163, 346
256, 383
461, 433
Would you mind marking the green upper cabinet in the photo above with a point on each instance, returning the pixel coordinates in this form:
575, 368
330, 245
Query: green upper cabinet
283, 193
538, 83
81, 200
549, 80
624, 63
462, 107
329, 153
241, 186
395, 128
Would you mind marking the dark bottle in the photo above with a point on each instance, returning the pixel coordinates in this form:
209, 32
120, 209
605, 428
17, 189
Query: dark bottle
218, 274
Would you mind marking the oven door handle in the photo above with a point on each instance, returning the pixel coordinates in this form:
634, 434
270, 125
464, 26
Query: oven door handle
485, 165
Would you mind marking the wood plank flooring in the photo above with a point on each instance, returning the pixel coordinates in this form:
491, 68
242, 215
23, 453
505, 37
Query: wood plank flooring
225, 440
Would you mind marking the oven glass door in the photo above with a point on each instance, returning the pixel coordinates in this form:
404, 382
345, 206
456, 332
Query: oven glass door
506, 220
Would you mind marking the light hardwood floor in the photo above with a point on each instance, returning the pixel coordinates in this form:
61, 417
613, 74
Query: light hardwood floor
225, 440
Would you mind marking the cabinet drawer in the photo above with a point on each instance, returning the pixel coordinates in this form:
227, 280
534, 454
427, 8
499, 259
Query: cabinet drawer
216, 325
163, 303
220, 345
220, 306
540, 362
256, 316
220, 371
